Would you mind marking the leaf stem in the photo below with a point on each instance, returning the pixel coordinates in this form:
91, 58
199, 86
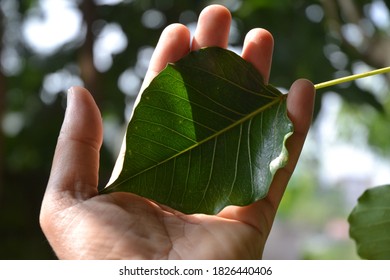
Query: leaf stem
352, 78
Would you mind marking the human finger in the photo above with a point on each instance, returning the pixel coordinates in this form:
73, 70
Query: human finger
213, 28
76, 160
174, 43
258, 49
300, 106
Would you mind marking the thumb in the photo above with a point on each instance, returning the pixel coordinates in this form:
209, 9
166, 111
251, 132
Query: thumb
74, 173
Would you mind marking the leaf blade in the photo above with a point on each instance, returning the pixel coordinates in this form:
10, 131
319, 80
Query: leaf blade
370, 223
202, 107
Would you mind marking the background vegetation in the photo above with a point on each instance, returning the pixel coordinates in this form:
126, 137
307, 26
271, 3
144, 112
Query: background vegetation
105, 45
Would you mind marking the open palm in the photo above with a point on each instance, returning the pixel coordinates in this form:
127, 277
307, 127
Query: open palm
80, 224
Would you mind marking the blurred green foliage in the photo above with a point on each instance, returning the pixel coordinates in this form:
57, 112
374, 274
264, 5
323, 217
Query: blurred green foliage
317, 40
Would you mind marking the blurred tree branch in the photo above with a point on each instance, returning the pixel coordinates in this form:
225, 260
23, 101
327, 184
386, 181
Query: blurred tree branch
2, 103
89, 73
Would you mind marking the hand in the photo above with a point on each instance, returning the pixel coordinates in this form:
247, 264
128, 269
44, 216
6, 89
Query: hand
80, 224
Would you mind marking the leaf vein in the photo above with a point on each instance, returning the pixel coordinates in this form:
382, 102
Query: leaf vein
235, 84
236, 162
167, 128
209, 98
155, 142
181, 116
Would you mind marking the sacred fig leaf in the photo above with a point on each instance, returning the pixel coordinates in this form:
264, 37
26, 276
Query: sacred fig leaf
206, 133
370, 224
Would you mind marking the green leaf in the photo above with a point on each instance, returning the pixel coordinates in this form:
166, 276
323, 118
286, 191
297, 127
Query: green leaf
207, 133
370, 223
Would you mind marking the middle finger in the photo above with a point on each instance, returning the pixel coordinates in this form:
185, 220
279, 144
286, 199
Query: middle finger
213, 28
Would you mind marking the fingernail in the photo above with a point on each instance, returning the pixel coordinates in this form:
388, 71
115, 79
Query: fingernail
70, 96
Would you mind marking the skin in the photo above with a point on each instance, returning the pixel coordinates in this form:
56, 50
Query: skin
80, 224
